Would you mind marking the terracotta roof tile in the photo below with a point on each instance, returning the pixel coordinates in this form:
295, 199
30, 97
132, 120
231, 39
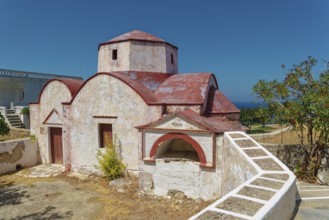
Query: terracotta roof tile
184, 88
216, 125
73, 86
136, 35
151, 80
219, 103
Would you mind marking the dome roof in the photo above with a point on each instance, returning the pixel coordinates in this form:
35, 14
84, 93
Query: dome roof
136, 35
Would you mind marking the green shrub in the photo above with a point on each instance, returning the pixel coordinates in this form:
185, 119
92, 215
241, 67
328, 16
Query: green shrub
26, 111
109, 163
4, 128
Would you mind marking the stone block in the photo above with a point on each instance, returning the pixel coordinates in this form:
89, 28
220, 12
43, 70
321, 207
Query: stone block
145, 181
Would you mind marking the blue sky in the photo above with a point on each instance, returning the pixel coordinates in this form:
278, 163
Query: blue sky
239, 41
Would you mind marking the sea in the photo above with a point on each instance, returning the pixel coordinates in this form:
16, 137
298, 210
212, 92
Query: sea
241, 105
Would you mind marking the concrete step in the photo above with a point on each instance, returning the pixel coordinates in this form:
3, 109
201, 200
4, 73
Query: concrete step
16, 124
12, 116
9, 111
14, 119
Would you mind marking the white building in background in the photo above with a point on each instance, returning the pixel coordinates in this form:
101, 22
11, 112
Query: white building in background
18, 89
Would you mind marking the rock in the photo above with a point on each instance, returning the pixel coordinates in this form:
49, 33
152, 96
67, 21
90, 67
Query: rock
323, 176
323, 173
145, 181
119, 183
78, 175
176, 194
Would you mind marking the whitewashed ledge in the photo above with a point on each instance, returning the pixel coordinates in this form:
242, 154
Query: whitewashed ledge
256, 185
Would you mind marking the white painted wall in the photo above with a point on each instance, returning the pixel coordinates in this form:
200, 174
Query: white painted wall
146, 56
171, 68
26, 154
52, 97
178, 123
105, 62
185, 176
240, 170
138, 56
104, 95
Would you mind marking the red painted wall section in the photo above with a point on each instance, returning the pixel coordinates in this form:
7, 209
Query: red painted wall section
185, 138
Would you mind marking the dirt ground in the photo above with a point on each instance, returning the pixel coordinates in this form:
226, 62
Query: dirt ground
65, 197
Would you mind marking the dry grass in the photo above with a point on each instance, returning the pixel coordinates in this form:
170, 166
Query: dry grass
113, 204
15, 134
287, 137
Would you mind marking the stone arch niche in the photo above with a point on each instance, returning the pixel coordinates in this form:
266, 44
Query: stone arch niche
178, 145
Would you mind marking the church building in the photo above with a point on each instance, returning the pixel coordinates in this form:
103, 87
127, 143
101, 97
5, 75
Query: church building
169, 125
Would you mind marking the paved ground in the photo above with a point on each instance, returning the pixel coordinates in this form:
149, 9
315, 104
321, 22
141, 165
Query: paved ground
314, 203
42, 170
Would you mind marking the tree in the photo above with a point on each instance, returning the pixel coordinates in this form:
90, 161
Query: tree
263, 115
4, 129
303, 101
248, 117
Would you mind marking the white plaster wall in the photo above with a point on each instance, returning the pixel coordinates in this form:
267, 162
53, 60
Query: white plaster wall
178, 123
285, 205
147, 56
235, 171
105, 62
185, 176
171, 68
34, 119
51, 98
29, 154
204, 139
280, 206
104, 95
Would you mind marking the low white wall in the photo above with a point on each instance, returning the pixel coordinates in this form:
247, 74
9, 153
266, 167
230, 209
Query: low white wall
20, 152
185, 176
236, 168
271, 177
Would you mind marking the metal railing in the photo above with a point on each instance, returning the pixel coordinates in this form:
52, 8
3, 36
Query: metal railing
32, 75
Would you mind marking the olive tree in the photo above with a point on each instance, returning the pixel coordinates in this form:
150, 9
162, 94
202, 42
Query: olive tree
302, 99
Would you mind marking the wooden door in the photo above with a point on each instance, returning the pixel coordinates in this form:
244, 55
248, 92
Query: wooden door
56, 145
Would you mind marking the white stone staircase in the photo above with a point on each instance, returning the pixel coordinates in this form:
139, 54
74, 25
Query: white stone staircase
14, 119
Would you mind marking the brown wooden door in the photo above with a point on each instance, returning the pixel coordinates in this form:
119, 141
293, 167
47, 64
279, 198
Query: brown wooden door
56, 145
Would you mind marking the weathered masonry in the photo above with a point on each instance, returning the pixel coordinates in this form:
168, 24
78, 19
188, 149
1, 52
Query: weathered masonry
169, 126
